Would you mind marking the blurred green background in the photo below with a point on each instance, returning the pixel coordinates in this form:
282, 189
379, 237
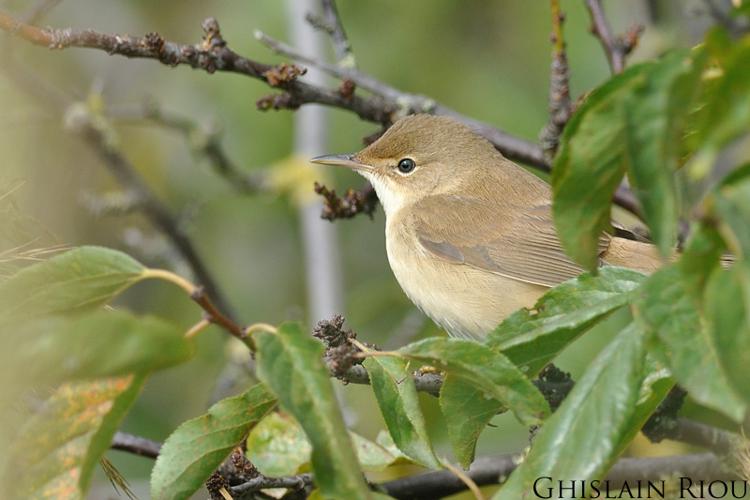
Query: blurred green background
488, 59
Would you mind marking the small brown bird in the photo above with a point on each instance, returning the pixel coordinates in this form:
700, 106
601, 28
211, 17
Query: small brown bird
469, 234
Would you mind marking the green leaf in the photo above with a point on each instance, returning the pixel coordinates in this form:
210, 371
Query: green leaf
467, 412
372, 456
82, 278
589, 167
731, 203
648, 146
197, 447
669, 308
725, 113
60, 444
486, 369
630, 124
532, 338
278, 446
729, 326
399, 404
290, 363
93, 345
582, 438
655, 387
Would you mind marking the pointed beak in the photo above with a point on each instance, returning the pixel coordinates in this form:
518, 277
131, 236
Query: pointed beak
340, 160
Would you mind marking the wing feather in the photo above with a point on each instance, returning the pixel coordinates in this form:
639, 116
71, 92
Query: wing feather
524, 247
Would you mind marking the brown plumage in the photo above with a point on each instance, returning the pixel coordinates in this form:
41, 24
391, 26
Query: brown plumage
469, 234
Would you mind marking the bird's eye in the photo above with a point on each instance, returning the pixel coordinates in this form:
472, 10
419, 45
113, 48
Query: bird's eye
406, 165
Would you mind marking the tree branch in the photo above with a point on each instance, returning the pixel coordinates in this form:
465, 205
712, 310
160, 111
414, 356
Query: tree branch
494, 470
559, 88
484, 471
245, 490
203, 140
332, 24
615, 48
96, 135
600, 28
136, 445
212, 54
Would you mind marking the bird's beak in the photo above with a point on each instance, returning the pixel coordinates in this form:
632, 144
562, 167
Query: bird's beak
341, 160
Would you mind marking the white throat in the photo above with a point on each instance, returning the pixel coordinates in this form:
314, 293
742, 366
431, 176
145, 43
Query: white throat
390, 200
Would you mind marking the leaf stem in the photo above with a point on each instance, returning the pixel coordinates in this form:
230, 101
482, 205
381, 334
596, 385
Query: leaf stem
171, 277
464, 479
197, 328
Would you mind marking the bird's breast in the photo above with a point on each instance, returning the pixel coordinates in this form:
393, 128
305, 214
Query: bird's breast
465, 301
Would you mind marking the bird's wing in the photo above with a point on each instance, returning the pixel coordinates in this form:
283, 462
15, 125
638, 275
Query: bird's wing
524, 247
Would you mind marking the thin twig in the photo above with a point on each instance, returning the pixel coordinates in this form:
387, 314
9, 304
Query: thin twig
214, 314
559, 86
600, 28
261, 482
341, 44
204, 141
136, 445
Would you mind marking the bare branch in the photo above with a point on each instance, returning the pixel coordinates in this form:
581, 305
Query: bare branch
559, 89
615, 48
335, 28
214, 314
600, 28
494, 470
96, 136
261, 482
136, 445
212, 54
205, 141
354, 202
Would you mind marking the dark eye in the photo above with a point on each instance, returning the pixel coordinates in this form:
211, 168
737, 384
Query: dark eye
406, 165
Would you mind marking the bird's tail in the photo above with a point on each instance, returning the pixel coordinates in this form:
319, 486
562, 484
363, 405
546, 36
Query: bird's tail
643, 257
637, 255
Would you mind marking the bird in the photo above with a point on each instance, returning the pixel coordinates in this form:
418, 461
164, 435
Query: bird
469, 234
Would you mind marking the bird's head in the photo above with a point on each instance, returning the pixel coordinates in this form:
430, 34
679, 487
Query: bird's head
419, 156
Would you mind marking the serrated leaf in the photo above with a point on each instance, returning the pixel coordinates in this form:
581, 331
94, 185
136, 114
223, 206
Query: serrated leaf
290, 363
629, 124
669, 308
725, 113
729, 326
370, 455
97, 344
197, 447
731, 203
399, 404
486, 369
467, 412
654, 388
532, 338
589, 167
82, 278
582, 438
60, 444
278, 446
647, 147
